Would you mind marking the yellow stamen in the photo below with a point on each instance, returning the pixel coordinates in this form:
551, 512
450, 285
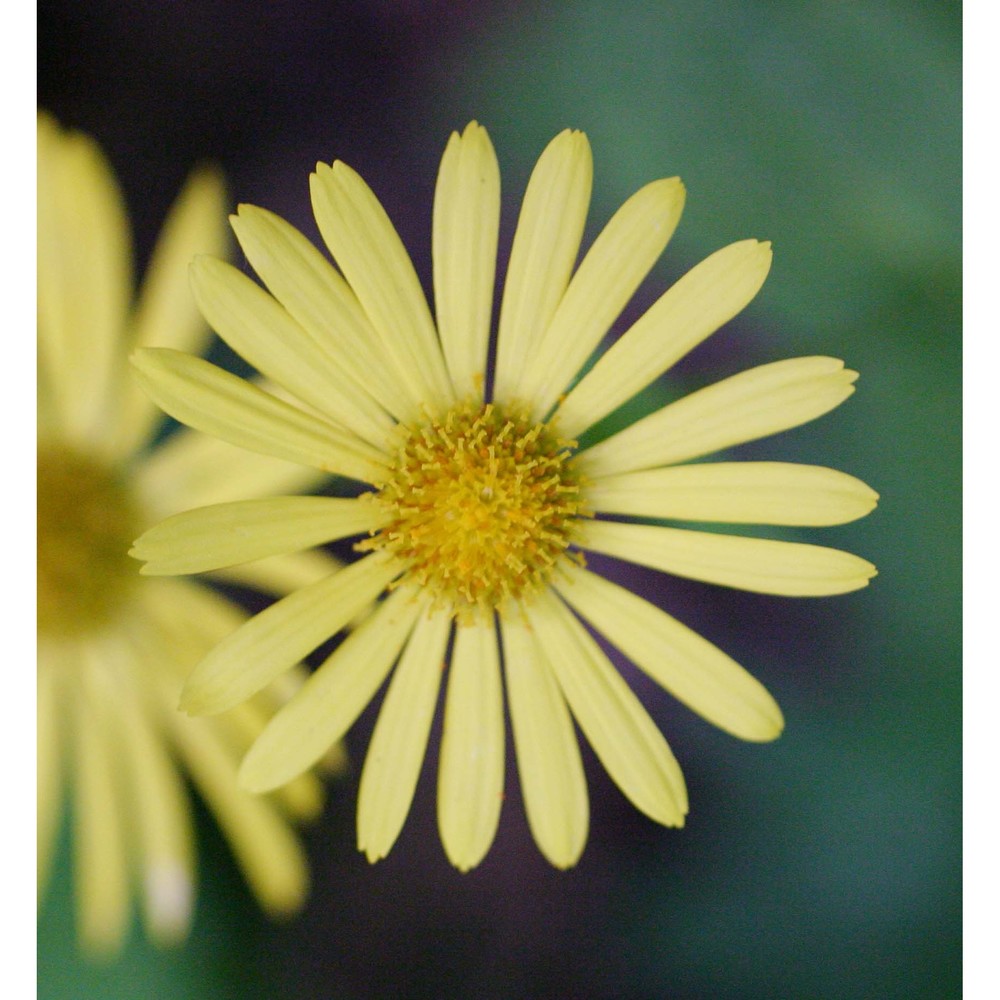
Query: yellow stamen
482, 504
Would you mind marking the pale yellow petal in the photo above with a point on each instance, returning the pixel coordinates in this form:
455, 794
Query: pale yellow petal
549, 767
161, 820
753, 404
165, 314
100, 848
279, 575
761, 565
302, 798
260, 330
197, 619
624, 737
736, 493
50, 726
399, 742
707, 297
281, 635
191, 469
183, 621
610, 273
370, 253
226, 534
471, 769
315, 294
333, 697
466, 226
545, 248
84, 281
47, 413
688, 666
211, 400
265, 845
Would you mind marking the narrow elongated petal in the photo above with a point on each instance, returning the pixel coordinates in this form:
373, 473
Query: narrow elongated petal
184, 617
229, 533
751, 405
281, 635
166, 314
549, 768
211, 400
196, 619
736, 493
688, 666
84, 281
466, 225
470, 776
708, 296
99, 842
161, 811
399, 742
791, 569
191, 469
545, 248
624, 737
281, 574
302, 798
318, 298
233, 731
613, 269
259, 329
48, 766
333, 697
369, 251
268, 851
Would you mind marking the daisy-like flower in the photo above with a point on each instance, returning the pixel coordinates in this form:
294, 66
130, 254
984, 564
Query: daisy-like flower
114, 648
482, 503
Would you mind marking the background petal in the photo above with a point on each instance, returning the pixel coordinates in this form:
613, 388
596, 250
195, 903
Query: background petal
165, 314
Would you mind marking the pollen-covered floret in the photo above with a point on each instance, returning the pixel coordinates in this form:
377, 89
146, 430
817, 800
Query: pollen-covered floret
482, 503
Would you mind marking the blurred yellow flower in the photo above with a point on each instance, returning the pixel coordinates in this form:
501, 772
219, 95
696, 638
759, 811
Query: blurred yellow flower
113, 648
482, 498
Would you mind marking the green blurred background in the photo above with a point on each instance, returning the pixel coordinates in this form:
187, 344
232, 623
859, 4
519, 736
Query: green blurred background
826, 865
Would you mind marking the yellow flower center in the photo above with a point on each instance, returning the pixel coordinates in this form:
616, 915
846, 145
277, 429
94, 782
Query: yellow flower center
87, 520
482, 504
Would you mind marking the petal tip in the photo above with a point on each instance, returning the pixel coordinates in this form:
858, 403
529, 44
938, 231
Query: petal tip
254, 778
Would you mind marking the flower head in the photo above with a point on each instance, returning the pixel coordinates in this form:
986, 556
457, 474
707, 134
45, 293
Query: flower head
113, 647
482, 503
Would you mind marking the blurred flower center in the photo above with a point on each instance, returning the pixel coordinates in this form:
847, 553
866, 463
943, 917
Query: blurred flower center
86, 522
482, 503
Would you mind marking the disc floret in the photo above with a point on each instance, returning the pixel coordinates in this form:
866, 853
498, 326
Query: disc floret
482, 505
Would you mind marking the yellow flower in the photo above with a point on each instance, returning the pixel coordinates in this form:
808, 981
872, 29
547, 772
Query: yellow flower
482, 499
114, 648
